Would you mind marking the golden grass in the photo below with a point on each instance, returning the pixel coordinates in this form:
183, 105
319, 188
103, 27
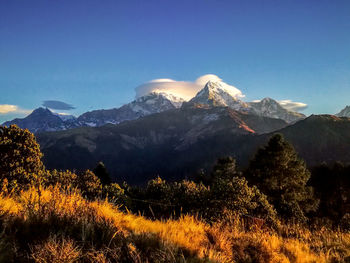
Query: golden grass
187, 236
55, 251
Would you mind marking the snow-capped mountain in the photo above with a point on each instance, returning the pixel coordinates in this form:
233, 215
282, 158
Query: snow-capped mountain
215, 93
42, 119
268, 107
154, 102
344, 112
65, 117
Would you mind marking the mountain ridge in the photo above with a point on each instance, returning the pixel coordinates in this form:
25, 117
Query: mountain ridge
214, 94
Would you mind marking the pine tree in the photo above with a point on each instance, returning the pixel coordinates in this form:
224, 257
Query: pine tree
231, 192
225, 169
279, 173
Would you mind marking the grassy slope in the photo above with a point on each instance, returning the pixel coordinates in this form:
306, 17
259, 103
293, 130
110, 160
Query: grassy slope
64, 227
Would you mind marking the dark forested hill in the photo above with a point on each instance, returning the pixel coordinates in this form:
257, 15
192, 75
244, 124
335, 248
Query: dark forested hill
173, 143
178, 143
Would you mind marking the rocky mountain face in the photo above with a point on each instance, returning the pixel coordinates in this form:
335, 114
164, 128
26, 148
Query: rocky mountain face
344, 112
42, 119
151, 103
268, 107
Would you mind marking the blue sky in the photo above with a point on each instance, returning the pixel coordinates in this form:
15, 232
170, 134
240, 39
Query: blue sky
93, 54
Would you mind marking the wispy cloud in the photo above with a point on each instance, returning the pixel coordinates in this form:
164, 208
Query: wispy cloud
292, 105
183, 89
12, 109
57, 105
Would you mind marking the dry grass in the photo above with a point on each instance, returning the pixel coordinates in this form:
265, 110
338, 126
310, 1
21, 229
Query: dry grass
51, 226
54, 251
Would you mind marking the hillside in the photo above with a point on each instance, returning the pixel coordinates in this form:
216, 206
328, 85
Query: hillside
182, 141
173, 142
47, 228
321, 138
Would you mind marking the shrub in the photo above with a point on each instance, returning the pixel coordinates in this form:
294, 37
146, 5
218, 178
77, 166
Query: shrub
20, 157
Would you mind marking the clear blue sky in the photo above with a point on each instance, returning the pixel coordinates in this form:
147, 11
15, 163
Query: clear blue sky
92, 54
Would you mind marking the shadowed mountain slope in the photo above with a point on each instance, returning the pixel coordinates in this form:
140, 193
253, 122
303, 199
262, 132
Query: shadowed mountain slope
171, 143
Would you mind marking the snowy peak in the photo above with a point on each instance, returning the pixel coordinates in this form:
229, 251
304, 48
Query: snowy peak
156, 102
176, 101
268, 107
216, 93
65, 117
151, 103
41, 120
344, 112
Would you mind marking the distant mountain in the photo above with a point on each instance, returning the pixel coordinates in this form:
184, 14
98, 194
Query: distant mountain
65, 117
216, 94
42, 120
171, 143
268, 107
177, 143
344, 112
151, 103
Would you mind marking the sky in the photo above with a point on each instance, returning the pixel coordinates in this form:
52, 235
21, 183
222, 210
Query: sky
82, 55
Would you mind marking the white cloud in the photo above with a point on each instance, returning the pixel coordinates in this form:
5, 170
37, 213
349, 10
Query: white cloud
292, 105
13, 109
6, 108
183, 89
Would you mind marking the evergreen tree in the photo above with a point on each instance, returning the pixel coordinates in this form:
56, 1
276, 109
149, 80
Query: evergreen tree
101, 172
230, 192
225, 169
20, 156
279, 173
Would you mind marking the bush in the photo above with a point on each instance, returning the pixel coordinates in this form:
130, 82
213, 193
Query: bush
20, 157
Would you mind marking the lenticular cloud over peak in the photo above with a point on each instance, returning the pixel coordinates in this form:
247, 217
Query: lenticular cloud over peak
184, 89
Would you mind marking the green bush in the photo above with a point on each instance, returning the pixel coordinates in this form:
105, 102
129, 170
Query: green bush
20, 157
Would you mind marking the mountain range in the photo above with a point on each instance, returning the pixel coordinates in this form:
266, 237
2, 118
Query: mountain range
214, 94
160, 134
170, 142
178, 143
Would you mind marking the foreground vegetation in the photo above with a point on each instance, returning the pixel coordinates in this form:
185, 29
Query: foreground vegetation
267, 213
55, 226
